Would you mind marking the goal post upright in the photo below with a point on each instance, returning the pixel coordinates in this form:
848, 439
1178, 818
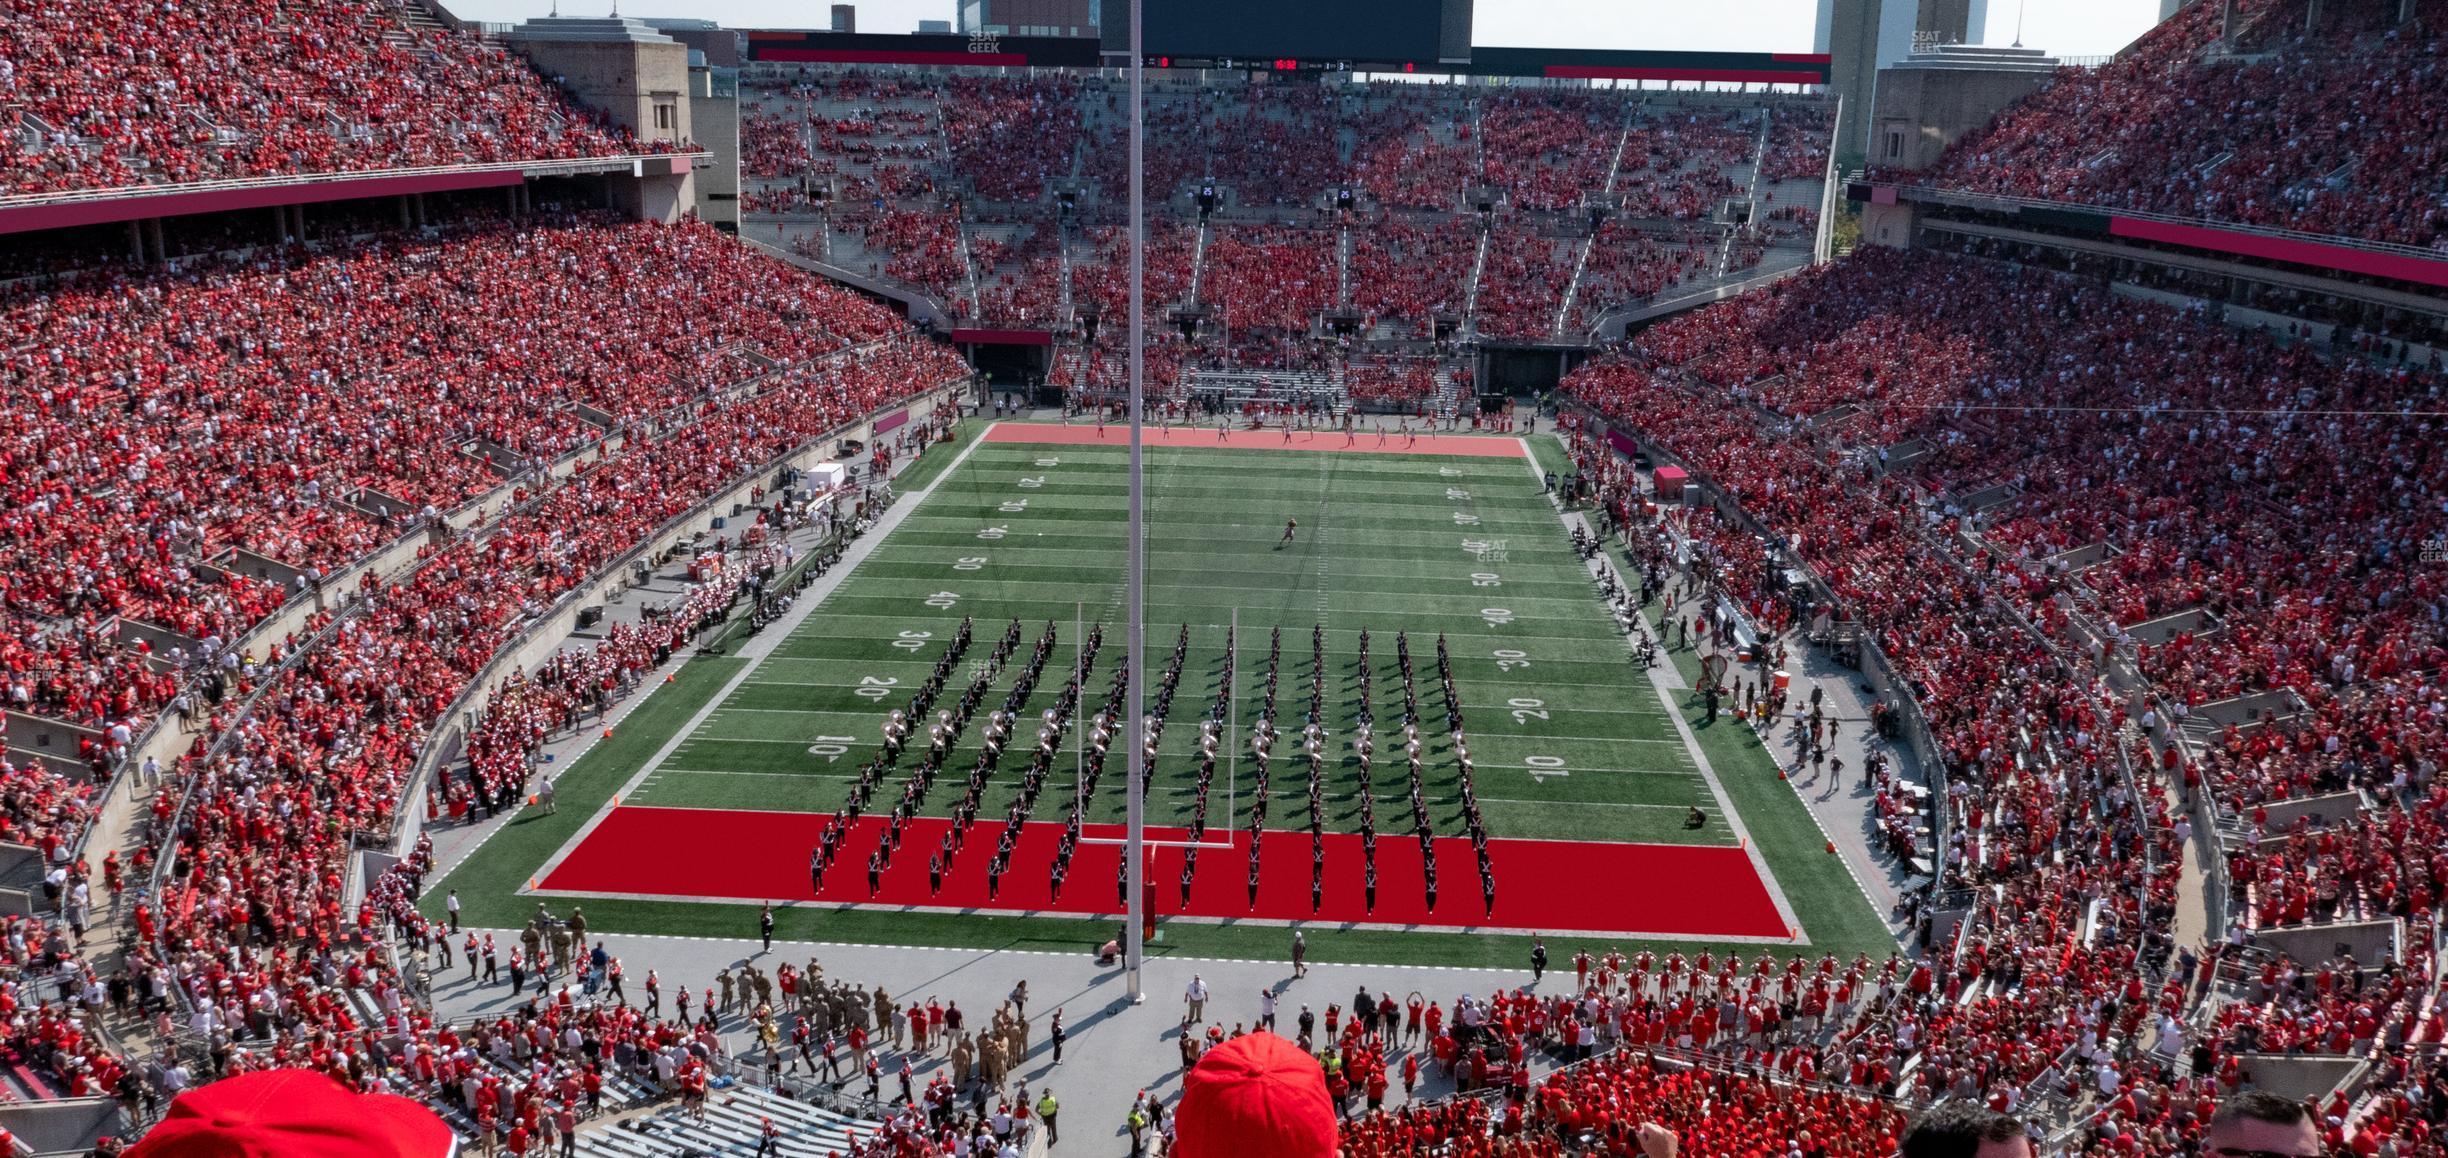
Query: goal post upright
1134, 548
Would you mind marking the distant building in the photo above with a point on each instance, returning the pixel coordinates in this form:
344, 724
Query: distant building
643, 80
1865, 36
845, 18
723, 47
1030, 17
1928, 99
934, 26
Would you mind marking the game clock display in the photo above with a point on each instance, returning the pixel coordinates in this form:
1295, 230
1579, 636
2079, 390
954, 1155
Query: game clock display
1292, 35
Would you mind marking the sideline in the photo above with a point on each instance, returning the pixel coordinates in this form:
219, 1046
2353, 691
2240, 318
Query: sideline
756, 652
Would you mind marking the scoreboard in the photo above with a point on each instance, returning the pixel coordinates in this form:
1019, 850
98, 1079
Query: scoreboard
1288, 35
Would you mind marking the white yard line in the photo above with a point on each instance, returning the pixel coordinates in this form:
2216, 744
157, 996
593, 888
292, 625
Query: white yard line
1667, 681
757, 650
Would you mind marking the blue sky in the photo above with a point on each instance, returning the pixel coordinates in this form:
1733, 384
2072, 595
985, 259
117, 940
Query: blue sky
2065, 27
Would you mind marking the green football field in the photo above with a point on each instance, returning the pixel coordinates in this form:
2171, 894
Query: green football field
1570, 741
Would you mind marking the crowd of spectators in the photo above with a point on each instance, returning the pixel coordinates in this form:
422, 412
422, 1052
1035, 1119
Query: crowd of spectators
1596, 1107
121, 96
920, 246
1103, 368
252, 898
1426, 164
2334, 1007
1020, 275
2333, 130
773, 146
152, 443
51, 1000
1273, 144
1965, 360
301, 772
1522, 283
1798, 138
2403, 1113
2025, 733
1547, 149
370, 389
1173, 151
1406, 272
2190, 451
512, 1079
528, 708
1381, 380
1011, 137
1102, 284
1677, 166
1627, 265
912, 164
1267, 277
2289, 495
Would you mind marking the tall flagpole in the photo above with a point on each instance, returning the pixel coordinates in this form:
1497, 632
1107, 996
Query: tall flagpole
1135, 839
1079, 731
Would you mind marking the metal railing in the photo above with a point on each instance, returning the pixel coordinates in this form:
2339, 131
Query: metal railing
353, 605
481, 685
1977, 200
539, 166
1912, 722
470, 511
1689, 1059
1823, 242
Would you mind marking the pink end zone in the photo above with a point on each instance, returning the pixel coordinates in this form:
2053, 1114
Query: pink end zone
1663, 890
1362, 441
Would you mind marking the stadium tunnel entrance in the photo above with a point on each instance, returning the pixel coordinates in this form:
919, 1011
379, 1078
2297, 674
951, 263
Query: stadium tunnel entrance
1527, 370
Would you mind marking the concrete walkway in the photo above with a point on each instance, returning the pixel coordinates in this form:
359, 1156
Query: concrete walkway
1842, 806
1114, 1048
453, 844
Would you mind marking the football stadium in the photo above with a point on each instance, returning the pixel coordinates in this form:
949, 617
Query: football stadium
1121, 578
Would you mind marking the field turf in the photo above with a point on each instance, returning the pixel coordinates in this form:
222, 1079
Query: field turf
1570, 742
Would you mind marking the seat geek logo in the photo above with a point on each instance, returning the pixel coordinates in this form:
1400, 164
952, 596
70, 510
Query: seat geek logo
985, 43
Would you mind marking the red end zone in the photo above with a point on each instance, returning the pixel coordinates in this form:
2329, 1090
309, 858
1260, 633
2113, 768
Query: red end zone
1555, 886
1362, 441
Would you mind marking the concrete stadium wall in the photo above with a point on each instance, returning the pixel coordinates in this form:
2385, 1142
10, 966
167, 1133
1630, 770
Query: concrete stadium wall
2299, 1077
169, 737
2369, 941
550, 632
61, 1125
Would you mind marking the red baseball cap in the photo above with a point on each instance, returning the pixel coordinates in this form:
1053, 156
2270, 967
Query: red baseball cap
1255, 1095
294, 1113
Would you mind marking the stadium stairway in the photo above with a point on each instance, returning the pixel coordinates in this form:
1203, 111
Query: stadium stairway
1236, 388
733, 1122
20, 1082
622, 1090
1470, 297
1343, 256
1198, 260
